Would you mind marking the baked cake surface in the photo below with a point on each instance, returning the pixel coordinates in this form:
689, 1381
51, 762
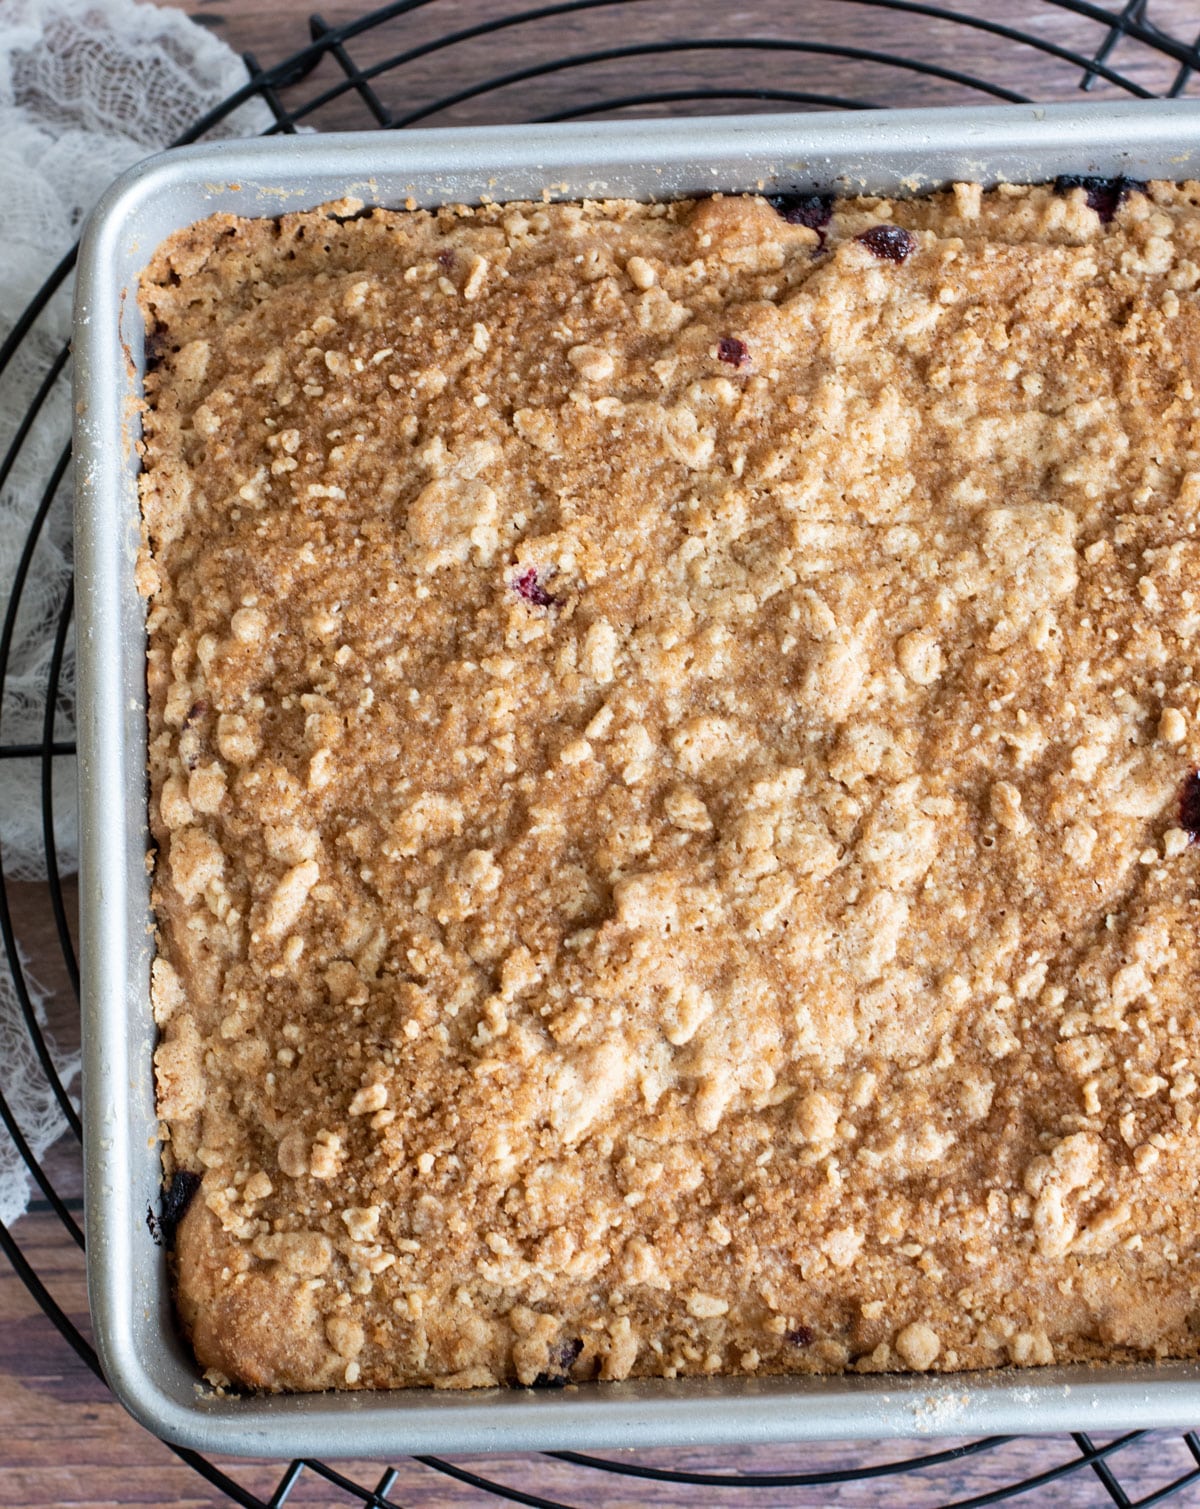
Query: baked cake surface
673, 734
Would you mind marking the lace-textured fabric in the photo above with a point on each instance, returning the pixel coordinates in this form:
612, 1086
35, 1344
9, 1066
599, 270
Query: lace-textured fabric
86, 89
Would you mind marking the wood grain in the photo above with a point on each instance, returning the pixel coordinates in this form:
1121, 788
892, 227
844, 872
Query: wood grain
64, 1440
271, 30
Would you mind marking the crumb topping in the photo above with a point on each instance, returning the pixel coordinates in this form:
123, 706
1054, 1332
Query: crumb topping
674, 772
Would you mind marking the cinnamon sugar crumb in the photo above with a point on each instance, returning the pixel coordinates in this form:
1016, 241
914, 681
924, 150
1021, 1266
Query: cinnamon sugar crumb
732, 949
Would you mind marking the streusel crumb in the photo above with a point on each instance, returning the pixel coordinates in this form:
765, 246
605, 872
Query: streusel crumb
673, 753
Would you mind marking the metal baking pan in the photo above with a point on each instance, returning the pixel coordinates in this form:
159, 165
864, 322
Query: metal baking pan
144, 1359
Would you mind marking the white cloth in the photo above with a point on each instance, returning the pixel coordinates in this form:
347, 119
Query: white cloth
87, 87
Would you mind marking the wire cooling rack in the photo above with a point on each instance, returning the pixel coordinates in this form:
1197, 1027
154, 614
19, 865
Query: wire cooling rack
417, 61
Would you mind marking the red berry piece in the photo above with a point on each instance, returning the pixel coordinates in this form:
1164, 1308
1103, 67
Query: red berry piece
527, 586
446, 257
890, 243
1189, 806
802, 1336
733, 351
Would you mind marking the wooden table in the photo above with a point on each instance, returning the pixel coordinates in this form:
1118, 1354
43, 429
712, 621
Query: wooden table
63, 1440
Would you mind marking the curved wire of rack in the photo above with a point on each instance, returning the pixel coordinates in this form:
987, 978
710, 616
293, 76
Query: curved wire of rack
1099, 34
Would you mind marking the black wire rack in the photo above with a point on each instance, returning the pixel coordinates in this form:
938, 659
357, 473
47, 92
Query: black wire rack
449, 62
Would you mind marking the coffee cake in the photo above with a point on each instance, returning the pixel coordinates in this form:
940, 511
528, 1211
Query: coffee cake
673, 745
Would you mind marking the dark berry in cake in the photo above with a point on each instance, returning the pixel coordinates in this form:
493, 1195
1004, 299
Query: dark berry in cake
562, 1358
1189, 806
890, 243
736, 353
156, 349
813, 210
1104, 195
176, 1198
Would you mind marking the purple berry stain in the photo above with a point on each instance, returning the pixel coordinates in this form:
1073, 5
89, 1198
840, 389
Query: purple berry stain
156, 349
890, 243
812, 210
561, 1360
527, 586
736, 353
1104, 195
446, 257
802, 1336
175, 1200
1189, 806
191, 741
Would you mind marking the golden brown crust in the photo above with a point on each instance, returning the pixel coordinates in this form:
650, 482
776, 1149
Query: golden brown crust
667, 739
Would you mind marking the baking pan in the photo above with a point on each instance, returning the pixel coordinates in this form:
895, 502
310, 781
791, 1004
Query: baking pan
144, 1359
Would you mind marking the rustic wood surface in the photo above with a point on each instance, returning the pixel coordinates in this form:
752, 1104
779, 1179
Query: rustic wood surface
272, 29
62, 1439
